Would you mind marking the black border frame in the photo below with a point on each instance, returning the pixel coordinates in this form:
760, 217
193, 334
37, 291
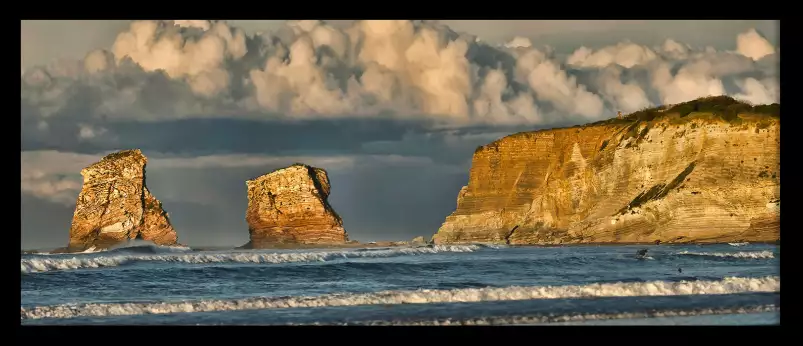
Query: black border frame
426, 335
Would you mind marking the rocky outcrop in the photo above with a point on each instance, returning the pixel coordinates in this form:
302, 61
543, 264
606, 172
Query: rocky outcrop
669, 176
115, 206
289, 206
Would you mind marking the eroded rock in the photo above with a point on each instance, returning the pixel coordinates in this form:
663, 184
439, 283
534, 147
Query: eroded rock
115, 206
289, 206
418, 241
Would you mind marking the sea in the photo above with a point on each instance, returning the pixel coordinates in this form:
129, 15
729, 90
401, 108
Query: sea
442, 285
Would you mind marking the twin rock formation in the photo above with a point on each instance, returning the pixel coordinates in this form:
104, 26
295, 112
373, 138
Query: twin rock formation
287, 206
674, 177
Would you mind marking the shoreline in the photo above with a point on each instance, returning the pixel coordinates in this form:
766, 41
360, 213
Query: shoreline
618, 244
401, 245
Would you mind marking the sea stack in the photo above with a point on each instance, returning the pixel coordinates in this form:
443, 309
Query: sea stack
705, 171
115, 205
289, 206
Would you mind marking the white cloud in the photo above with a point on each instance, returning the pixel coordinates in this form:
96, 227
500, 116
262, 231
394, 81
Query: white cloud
176, 69
625, 54
753, 45
759, 92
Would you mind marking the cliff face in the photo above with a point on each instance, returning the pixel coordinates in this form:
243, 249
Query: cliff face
290, 205
115, 205
673, 179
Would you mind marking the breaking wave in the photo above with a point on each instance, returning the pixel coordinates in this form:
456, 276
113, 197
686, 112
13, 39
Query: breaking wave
542, 319
753, 255
738, 244
91, 250
37, 265
651, 288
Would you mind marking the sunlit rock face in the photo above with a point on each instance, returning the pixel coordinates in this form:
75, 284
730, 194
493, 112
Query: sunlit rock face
115, 205
289, 206
673, 179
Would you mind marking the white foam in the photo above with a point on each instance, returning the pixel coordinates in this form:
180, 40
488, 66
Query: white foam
652, 288
754, 254
492, 246
36, 265
738, 244
91, 250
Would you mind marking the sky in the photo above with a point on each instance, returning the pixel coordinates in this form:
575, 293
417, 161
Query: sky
393, 110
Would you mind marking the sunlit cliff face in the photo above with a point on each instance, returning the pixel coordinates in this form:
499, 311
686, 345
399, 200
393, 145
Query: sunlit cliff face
676, 179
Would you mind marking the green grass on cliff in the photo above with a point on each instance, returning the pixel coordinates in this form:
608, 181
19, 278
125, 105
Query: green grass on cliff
724, 107
718, 107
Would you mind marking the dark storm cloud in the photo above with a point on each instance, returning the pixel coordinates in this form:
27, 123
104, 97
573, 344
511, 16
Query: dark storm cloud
311, 137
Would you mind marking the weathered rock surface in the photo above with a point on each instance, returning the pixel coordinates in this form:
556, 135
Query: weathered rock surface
289, 206
697, 178
418, 241
115, 206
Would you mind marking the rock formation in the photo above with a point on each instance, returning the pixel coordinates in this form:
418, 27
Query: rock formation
704, 171
289, 206
115, 205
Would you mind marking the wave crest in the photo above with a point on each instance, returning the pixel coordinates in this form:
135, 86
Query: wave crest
753, 255
651, 288
38, 265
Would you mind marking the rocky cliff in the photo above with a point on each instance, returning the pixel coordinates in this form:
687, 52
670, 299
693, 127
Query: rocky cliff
289, 206
114, 205
703, 171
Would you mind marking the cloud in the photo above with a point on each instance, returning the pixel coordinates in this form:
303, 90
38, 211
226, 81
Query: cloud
53, 176
759, 92
625, 54
59, 189
753, 45
169, 70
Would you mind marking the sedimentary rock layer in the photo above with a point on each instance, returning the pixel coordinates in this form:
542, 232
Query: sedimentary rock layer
289, 206
114, 205
673, 179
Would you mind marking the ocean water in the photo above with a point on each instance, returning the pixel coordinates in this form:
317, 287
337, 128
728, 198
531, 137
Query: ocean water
723, 284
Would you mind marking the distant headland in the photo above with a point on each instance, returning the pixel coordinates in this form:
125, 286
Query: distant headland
704, 171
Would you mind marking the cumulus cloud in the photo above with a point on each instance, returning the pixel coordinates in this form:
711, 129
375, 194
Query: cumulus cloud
753, 45
759, 92
53, 176
57, 188
625, 54
678, 72
159, 70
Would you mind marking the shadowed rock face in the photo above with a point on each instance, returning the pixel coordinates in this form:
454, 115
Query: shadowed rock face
289, 206
671, 179
115, 206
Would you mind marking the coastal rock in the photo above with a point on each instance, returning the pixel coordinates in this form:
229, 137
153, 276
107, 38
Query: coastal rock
675, 177
115, 206
418, 241
289, 206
